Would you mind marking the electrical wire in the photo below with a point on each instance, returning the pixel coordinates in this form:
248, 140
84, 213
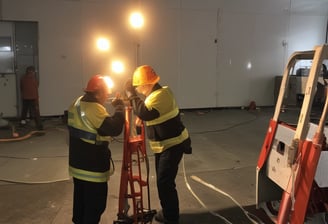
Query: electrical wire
253, 218
228, 128
249, 215
32, 158
198, 199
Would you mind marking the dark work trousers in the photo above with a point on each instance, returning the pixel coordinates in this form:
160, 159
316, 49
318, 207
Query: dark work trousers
89, 201
167, 165
32, 106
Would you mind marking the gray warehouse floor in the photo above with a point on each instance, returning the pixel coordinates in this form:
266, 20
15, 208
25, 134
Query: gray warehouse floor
216, 184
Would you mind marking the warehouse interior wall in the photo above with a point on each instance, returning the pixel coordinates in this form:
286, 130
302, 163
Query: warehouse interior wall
212, 53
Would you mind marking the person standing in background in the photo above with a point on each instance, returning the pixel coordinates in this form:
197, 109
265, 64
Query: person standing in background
29, 86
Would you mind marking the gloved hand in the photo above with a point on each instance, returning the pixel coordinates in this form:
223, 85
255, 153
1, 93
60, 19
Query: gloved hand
117, 102
130, 90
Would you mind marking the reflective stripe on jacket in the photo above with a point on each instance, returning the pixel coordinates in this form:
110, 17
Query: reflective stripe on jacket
80, 125
89, 175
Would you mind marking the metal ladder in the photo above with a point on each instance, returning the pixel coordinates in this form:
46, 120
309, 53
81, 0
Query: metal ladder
134, 177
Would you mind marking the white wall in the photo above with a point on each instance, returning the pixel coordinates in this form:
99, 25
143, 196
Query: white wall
178, 40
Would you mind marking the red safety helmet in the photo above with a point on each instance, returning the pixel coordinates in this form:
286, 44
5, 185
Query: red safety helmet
98, 82
144, 75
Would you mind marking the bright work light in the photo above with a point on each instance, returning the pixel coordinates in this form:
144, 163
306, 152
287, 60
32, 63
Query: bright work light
136, 20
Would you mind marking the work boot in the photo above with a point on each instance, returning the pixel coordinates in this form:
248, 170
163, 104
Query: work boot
159, 217
171, 222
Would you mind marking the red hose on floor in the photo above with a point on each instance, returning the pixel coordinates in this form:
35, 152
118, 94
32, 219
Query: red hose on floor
26, 136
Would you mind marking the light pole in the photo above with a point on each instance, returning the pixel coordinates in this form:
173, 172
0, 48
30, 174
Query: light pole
113, 67
137, 22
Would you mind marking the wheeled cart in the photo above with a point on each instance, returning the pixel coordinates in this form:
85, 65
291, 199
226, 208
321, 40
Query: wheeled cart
286, 178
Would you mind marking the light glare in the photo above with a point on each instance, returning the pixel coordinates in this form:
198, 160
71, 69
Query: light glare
136, 20
103, 44
249, 65
117, 67
109, 82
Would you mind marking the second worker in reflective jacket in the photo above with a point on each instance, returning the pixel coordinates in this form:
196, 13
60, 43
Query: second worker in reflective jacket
90, 127
168, 137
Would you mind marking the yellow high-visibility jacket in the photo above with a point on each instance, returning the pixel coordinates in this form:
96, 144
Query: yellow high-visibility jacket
164, 126
90, 127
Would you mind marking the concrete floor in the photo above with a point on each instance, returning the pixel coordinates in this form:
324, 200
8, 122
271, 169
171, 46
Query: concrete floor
216, 184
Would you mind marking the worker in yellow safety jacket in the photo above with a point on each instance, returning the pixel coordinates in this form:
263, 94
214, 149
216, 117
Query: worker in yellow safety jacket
90, 127
167, 135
